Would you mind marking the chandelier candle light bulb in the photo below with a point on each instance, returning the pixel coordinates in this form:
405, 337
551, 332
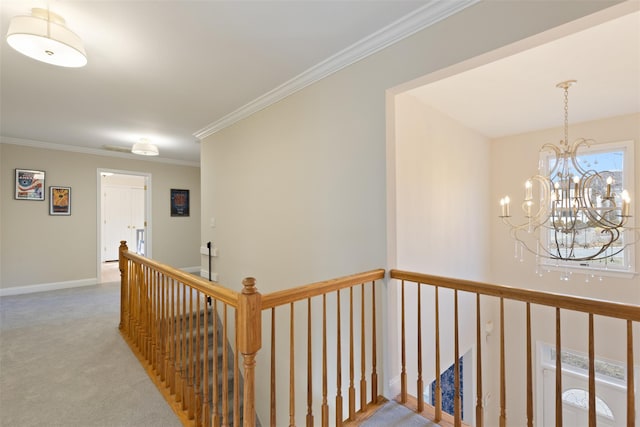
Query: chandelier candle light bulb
609, 182
504, 205
626, 201
528, 187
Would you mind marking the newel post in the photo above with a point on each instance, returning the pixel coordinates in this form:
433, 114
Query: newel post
249, 342
124, 283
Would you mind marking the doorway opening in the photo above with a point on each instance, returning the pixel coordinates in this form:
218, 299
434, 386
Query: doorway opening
123, 215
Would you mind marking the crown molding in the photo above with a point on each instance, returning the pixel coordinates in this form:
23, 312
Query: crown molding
425, 16
94, 151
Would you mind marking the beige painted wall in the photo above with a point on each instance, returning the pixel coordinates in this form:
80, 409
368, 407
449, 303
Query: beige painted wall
40, 249
442, 208
299, 190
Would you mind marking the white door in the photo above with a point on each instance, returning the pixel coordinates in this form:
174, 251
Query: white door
610, 400
124, 215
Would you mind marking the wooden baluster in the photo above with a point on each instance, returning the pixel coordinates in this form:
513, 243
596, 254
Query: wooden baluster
420, 384
190, 361
503, 386
236, 377
529, 370
173, 337
156, 321
592, 375
215, 418
272, 403
558, 371
338, 364
179, 343
164, 337
374, 350
292, 378
479, 404
324, 407
206, 412
225, 370
198, 362
363, 365
309, 368
438, 388
403, 372
352, 389
122, 266
184, 353
631, 411
457, 412
147, 315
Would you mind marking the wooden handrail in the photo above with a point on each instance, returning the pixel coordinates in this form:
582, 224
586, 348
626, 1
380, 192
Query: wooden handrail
216, 291
568, 302
300, 293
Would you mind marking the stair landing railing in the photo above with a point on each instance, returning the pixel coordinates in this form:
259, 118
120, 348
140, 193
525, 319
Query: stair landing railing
182, 342
404, 279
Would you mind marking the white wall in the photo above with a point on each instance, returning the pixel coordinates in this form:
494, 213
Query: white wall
299, 190
39, 249
442, 208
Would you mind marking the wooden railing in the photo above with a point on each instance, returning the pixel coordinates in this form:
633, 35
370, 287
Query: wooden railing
361, 357
628, 313
181, 327
176, 323
189, 334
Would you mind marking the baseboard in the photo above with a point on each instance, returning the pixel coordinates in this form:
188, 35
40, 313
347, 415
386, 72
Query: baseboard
205, 273
44, 287
192, 270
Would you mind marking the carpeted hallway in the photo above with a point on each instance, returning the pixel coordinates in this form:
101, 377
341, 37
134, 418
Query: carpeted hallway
64, 363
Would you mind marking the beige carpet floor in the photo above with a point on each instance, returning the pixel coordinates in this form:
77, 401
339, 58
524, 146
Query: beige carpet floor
64, 363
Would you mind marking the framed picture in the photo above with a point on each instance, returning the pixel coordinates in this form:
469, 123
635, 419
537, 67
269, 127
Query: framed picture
29, 184
179, 202
59, 200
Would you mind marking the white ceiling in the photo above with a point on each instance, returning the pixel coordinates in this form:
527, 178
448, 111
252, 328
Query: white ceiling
171, 70
166, 69
518, 94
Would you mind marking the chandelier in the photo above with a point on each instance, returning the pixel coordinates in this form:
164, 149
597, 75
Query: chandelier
571, 212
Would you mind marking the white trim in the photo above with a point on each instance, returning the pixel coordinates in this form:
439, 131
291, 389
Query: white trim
94, 151
425, 16
45, 287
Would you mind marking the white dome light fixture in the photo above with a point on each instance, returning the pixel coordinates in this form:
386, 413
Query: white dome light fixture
44, 37
145, 148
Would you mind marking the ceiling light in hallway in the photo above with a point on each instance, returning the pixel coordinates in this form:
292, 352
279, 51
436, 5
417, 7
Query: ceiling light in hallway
145, 148
44, 37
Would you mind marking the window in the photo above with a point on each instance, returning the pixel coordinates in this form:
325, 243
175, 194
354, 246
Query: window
617, 160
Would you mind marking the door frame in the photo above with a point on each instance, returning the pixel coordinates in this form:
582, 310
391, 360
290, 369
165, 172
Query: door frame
100, 219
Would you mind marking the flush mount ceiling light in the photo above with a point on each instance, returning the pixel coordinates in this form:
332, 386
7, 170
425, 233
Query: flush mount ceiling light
145, 148
44, 36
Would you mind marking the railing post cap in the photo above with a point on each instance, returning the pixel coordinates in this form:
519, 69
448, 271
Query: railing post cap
249, 285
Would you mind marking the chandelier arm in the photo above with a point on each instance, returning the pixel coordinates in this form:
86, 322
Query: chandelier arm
574, 153
557, 154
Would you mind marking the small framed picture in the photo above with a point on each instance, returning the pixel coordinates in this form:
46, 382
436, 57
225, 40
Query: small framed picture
179, 202
29, 184
59, 200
